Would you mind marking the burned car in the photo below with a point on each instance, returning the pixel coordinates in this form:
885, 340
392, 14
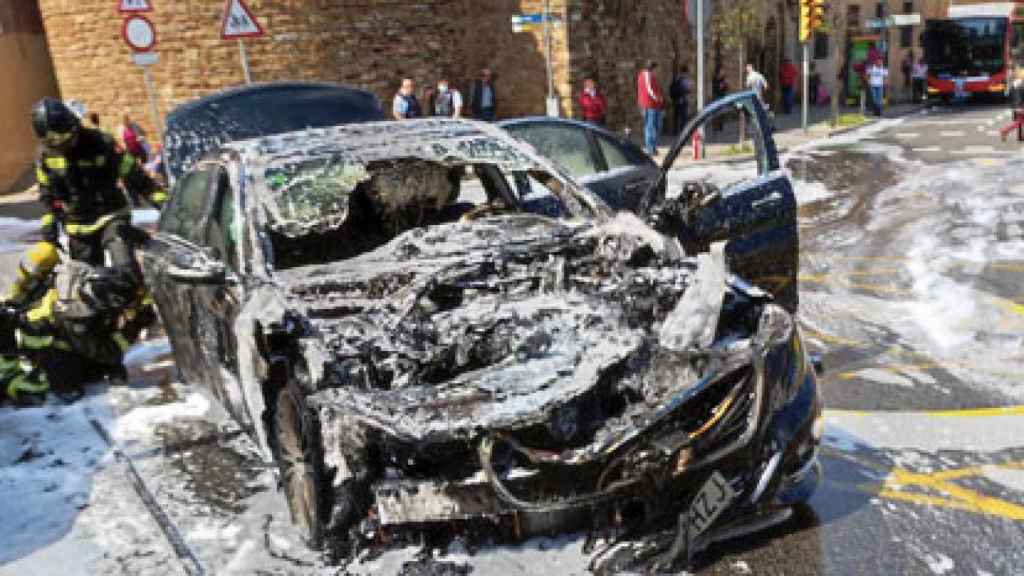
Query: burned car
425, 323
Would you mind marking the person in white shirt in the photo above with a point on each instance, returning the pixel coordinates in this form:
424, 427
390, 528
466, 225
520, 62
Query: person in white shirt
920, 77
877, 73
757, 82
447, 101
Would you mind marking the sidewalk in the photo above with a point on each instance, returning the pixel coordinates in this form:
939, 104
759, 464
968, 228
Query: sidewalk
788, 132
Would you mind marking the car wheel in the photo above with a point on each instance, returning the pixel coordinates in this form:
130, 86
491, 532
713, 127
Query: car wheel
300, 458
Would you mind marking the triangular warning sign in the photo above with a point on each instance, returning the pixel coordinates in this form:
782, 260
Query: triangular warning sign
239, 21
128, 6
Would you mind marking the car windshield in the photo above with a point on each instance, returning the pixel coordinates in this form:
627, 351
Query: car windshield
328, 209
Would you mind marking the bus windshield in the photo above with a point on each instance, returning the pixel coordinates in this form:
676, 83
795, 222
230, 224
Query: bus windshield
967, 46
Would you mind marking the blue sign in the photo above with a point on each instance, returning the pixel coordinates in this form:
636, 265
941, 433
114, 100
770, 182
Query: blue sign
528, 19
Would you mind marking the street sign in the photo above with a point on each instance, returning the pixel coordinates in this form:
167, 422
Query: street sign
538, 18
906, 19
139, 33
130, 6
239, 22
145, 58
891, 21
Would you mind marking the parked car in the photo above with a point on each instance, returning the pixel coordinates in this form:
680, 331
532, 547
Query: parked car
203, 125
610, 166
426, 323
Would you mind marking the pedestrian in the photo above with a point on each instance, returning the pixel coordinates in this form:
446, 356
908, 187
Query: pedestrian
593, 106
446, 101
483, 97
680, 94
405, 104
877, 73
787, 80
133, 139
757, 82
907, 69
920, 77
83, 176
652, 105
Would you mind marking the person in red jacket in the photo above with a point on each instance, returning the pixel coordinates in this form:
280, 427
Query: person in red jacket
652, 104
593, 106
787, 79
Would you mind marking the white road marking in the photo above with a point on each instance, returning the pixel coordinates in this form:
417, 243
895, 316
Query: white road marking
970, 150
927, 149
952, 134
908, 135
982, 129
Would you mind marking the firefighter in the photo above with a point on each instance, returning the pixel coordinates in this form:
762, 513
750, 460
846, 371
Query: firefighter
67, 325
78, 170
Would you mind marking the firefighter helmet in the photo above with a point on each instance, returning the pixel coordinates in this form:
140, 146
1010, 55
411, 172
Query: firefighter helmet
54, 123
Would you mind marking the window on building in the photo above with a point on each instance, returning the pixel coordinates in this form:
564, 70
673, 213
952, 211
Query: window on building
908, 7
853, 16
820, 46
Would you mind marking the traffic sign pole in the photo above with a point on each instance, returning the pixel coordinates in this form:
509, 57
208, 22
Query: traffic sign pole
700, 71
807, 84
245, 61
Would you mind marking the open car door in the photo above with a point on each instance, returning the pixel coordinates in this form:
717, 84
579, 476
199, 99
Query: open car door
746, 199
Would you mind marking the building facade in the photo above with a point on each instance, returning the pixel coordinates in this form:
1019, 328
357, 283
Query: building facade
375, 43
25, 63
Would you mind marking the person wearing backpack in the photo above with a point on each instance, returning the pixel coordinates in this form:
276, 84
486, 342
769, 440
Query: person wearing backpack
446, 101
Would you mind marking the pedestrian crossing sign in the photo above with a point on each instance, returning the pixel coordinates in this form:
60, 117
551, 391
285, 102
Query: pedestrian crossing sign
239, 21
130, 6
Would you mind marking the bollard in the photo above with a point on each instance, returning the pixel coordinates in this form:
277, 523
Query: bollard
698, 143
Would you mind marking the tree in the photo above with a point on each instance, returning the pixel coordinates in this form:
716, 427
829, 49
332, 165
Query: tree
735, 23
836, 26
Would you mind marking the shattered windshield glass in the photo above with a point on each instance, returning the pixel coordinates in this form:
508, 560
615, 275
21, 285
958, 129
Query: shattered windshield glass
312, 196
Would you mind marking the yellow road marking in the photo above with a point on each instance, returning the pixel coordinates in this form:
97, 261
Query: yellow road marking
944, 493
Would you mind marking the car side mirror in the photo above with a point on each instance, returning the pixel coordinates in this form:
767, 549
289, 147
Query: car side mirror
199, 268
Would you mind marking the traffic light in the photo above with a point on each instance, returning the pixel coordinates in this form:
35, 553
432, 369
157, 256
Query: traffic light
812, 16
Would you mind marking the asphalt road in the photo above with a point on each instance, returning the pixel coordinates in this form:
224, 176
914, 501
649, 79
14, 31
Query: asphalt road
913, 239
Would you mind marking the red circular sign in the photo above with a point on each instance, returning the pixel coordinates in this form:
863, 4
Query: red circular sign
139, 33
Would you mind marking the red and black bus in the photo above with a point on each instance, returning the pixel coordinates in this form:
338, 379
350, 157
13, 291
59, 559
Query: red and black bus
976, 50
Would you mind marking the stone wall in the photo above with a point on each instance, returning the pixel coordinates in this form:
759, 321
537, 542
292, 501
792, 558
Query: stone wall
25, 64
610, 39
365, 43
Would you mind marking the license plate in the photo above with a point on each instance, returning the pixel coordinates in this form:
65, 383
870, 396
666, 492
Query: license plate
714, 497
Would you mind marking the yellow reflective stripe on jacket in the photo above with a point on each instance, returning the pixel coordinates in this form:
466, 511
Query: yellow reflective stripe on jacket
88, 229
127, 164
44, 310
42, 177
159, 197
48, 220
23, 383
122, 342
56, 163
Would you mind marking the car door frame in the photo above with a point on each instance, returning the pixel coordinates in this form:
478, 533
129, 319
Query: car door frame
220, 304
756, 217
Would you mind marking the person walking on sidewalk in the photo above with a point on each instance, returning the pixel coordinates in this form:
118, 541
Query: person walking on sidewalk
787, 79
680, 93
877, 73
483, 98
593, 106
652, 105
920, 76
405, 105
757, 82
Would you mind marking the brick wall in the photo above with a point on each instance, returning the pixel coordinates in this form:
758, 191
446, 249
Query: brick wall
610, 39
365, 43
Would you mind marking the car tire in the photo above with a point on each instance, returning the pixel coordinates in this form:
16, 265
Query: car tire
300, 459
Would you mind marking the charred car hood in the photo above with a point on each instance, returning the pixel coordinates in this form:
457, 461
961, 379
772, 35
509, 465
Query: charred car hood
494, 324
